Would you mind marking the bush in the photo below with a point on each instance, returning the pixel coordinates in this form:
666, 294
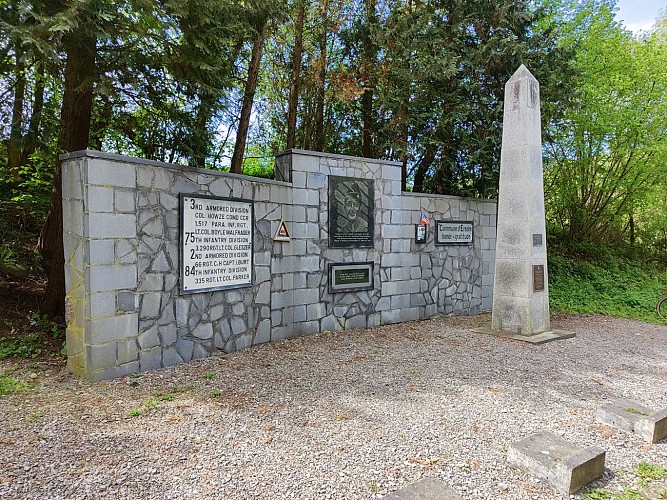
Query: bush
585, 278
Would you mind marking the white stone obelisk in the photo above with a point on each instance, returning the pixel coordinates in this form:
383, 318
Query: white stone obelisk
521, 286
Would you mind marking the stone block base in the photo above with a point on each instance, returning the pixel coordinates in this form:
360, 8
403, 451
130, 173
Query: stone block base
564, 466
627, 415
537, 338
428, 488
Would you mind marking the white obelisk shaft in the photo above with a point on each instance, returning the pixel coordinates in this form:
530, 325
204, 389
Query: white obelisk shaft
521, 288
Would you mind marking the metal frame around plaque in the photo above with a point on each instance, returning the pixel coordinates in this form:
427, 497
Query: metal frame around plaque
461, 223
351, 212
335, 287
208, 240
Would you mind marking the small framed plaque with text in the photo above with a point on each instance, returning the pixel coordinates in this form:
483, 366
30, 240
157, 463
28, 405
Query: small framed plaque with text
350, 277
449, 232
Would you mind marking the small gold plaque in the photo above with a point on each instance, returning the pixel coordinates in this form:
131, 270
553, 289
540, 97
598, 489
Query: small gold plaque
538, 278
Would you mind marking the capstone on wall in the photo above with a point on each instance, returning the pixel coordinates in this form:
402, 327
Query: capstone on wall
125, 312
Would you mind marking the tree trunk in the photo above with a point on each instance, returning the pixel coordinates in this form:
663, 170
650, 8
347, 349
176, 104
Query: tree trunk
75, 117
36, 116
422, 167
404, 126
248, 97
102, 123
200, 135
296, 74
16, 133
368, 67
404, 138
322, 77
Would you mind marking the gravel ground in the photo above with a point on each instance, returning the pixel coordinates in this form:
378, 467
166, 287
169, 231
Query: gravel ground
344, 415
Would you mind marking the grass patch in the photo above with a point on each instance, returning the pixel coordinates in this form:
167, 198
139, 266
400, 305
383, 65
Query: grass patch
651, 472
146, 406
605, 281
9, 385
179, 389
629, 494
596, 494
164, 396
34, 417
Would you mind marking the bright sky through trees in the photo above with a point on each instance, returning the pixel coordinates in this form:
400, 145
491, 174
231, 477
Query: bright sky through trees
639, 15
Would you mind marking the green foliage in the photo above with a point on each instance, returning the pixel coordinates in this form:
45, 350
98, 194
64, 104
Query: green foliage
31, 344
425, 80
151, 404
9, 385
584, 278
629, 494
596, 494
606, 156
147, 406
42, 323
27, 346
258, 163
7, 257
24, 203
651, 472
35, 417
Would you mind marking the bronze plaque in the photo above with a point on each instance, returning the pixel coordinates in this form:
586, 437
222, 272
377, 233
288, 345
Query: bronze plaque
538, 278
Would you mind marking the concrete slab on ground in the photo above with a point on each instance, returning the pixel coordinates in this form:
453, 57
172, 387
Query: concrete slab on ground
428, 488
648, 424
563, 465
538, 338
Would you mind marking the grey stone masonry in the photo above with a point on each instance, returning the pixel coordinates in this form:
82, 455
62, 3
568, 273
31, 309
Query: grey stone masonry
125, 312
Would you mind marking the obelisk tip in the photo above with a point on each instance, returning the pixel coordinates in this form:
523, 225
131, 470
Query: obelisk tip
522, 73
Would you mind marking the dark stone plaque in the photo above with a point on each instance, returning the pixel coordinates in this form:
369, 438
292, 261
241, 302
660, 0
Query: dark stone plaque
350, 277
537, 240
351, 207
538, 278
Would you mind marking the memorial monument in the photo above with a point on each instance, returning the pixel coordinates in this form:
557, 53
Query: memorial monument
521, 289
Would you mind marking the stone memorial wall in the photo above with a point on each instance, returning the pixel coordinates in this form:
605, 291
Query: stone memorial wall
165, 264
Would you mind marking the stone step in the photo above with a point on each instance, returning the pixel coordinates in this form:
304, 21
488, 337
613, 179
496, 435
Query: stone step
563, 465
428, 488
627, 415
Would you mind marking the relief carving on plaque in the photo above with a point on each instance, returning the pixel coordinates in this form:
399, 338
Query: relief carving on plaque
351, 207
